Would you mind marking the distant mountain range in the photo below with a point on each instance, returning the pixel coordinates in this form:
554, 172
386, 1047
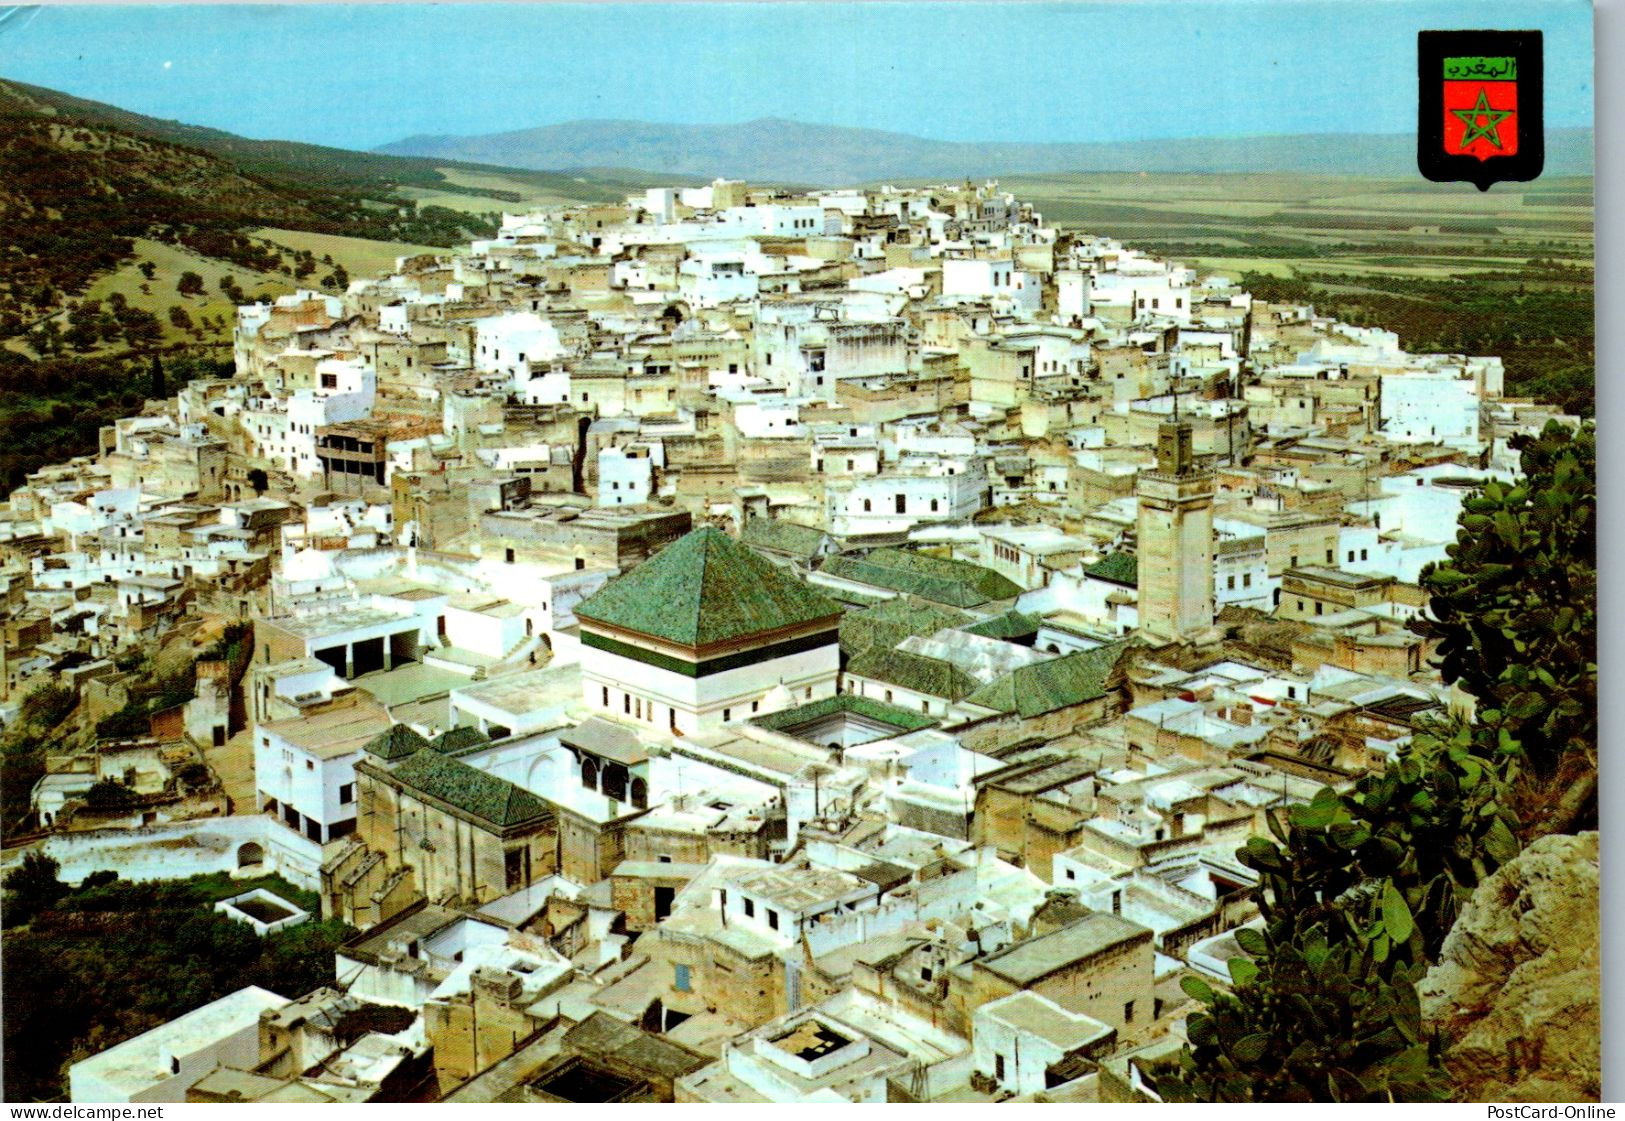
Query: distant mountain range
781, 151
286, 162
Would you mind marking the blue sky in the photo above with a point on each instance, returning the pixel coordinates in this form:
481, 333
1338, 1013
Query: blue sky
359, 76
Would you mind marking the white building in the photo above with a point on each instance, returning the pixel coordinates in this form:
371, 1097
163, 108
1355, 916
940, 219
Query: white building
1430, 408
1019, 1038
919, 490
162, 1064
807, 347
715, 278
625, 476
304, 769
510, 344
1028, 555
1241, 566
777, 220
995, 279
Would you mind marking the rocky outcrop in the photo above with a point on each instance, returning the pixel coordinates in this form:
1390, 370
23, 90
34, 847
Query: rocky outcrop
1517, 989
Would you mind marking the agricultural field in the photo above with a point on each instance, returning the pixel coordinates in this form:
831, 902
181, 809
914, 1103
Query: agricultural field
360, 256
484, 193
1307, 226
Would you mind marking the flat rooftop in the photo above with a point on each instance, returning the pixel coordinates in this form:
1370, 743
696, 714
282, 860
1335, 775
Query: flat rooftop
318, 624
607, 740
761, 757
810, 1040
1040, 540
799, 889
1338, 576
1037, 958
494, 607
335, 732
396, 588
522, 694
410, 682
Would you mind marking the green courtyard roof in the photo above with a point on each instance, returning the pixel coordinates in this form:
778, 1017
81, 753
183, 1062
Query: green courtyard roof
705, 588
938, 579
917, 672
1118, 568
783, 537
1046, 686
892, 620
844, 702
1011, 624
485, 796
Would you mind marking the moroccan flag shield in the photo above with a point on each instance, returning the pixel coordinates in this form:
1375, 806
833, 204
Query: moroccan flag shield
1480, 114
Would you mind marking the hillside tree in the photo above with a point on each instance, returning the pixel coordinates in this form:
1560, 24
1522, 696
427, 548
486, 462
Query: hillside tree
1514, 611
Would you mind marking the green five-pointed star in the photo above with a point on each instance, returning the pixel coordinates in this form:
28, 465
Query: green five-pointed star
1481, 120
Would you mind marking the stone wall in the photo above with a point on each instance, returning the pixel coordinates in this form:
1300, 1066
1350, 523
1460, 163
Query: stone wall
749, 990
160, 852
634, 896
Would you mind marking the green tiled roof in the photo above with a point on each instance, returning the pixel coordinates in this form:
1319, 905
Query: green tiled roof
397, 743
705, 588
938, 579
851, 597
844, 702
453, 740
1011, 624
1119, 568
918, 672
1046, 686
892, 620
485, 796
782, 537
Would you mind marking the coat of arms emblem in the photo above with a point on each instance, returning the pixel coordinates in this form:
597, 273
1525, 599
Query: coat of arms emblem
1480, 117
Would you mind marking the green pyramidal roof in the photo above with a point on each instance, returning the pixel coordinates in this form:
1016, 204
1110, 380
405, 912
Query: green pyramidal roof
705, 588
454, 740
1011, 624
397, 743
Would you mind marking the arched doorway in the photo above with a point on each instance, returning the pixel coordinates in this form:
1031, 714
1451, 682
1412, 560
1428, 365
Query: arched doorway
640, 793
250, 853
589, 774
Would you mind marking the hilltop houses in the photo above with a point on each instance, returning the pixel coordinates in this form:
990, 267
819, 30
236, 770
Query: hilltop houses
736, 644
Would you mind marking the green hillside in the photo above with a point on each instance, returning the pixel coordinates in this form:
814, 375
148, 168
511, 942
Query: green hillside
124, 237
